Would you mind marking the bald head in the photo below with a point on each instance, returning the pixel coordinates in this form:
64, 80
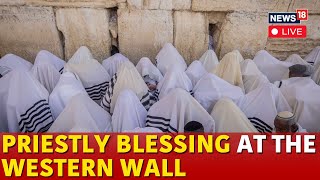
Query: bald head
299, 70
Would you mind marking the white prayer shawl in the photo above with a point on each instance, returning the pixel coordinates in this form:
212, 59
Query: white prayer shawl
82, 113
262, 105
302, 95
169, 57
4, 70
174, 78
113, 63
145, 130
15, 62
314, 56
24, 103
195, 72
128, 112
248, 67
211, 89
229, 69
209, 60
229, 118
271, 67
316, 76
82, 55
146, 68
47, 68
127, 78
296, 59
174, 111
68, 86
93, 76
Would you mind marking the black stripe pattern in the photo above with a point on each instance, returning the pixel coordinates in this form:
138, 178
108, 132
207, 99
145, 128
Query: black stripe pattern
280, 84
97, 92
260, 125
106, 101
37, 118
4, 70
61, 70
148, 100
161, 123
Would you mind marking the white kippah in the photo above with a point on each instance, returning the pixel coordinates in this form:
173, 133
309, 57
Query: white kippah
285, 115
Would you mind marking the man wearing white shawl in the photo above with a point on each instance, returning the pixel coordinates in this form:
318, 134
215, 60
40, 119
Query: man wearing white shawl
296, 59
176, 110
24, 104
15, 62
169, 57
113, 63
302, 95
314, 56
4, 70
128, 112
174, 78
127, 78
68, 86
47, 68
229, 118
211, 89
252, 77
262, 105
229, 69
272, 68
150, 73
209, 60
92, 74
82, 113
195, 72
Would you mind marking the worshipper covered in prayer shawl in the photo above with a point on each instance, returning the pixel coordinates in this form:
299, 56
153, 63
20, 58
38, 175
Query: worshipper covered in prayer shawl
299, 70
82, 113
271, 67
229, 69
26, 111
150, 73
47, 68
15, 62
209, 60
296, 59
314, 56
127, 78
92, 74
262, 105
169, 57
195, 72
173, 112
302, 95
68, 86
113, 63
252, 77
285, 123
211, 89
128, 113
174, 78
229, 118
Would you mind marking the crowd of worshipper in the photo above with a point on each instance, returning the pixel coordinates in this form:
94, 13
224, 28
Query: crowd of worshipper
263, 95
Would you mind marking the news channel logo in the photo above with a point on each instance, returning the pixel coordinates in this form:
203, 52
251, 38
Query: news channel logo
292, 21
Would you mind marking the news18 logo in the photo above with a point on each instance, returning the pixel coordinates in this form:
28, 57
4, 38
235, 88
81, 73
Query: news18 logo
292, 27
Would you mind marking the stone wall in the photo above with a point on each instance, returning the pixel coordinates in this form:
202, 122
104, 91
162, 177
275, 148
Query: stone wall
141, 27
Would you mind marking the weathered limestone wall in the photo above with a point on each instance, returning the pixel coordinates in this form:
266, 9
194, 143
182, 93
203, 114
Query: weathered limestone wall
141, 27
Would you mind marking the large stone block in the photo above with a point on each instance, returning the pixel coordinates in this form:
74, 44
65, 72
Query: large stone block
85, 27
272, 6
312, 5
27, 30
246, 32
224, 5
144, 32
190, 34
163, 4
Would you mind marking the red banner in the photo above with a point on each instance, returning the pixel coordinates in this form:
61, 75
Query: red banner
154, 156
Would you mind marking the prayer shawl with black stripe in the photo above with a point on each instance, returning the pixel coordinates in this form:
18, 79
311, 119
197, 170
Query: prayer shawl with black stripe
262, 105
127, 78
128, 113
229, 118
113, 63
68, 86
4, 70
146, 68
174, 111
93, 76
46, 69
211, 89
82, 114
15, 62
26, 107
302, 94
